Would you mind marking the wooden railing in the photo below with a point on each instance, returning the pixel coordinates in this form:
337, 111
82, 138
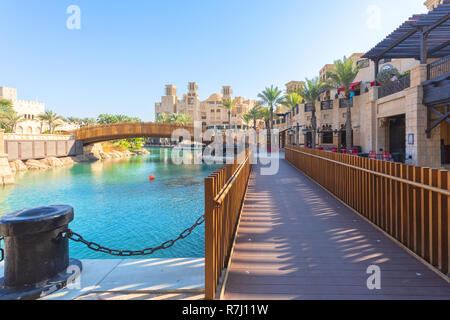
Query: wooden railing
409, 203
394, 87
439, 68
224, 196
125, 130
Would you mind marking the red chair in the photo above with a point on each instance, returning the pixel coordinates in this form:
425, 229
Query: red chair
386, 156
372, 154
320, 148
333, 149
344, 151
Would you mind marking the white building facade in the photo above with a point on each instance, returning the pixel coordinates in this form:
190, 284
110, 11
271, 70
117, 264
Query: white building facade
29, 110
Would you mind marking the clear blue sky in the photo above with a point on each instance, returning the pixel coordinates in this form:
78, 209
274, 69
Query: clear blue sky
126, 51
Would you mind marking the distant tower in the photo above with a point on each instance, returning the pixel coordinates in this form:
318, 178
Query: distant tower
192, 95
226, 92
431, 4
171, 90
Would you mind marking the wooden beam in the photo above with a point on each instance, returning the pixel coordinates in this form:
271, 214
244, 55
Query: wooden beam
439, 47
423, 47
396, 43
437, 24
440, 115
436, 123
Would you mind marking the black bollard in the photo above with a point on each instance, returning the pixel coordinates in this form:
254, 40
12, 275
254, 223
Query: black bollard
37, 259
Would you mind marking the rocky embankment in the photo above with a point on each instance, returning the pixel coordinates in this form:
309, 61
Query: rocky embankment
90, 154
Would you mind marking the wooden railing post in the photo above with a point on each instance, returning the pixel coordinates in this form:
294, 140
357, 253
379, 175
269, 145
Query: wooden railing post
224, 197
209, 239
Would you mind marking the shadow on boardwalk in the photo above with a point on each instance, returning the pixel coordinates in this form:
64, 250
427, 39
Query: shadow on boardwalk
296, 241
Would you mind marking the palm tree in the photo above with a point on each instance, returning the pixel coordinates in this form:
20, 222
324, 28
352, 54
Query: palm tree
229, 105
163, 118
271, 97
311, 91
184, 119
255, 114
291, 100
5, 105
9, 120
266, 115
342, 75
246, 117
51, 119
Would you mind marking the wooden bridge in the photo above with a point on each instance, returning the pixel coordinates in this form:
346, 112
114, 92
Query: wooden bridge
127, 130
320, 227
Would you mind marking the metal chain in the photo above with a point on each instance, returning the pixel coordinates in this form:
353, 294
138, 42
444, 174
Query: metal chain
2, 251
128, 253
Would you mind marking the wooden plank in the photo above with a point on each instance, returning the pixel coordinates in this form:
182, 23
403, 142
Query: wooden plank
425, 221
417, 245
209, 240
442, 216
274, 265
433, 216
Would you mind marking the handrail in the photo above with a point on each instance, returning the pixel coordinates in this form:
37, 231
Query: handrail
416, 184
394, 87
224, 198
438, 68
409, 203
223, 193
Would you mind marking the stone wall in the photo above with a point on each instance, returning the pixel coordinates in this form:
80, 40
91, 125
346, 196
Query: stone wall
25, 147
6, 175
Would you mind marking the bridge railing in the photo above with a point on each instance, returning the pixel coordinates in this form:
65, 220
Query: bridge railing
127, 129
409, 203
224, 196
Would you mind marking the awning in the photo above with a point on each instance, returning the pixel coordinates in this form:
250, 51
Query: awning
372, 84
352, 86
405, 41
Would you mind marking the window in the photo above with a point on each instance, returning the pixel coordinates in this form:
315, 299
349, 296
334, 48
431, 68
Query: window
327, 137
385, 60
364, 63
387, 67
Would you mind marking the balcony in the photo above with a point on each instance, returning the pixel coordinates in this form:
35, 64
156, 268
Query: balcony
439, 68
436, 90
308, 107
394, 87
326, 105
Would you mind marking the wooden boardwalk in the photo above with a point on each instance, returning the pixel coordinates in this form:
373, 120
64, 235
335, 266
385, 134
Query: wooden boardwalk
296, 241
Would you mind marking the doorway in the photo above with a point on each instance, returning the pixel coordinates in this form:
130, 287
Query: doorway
397, 137
343, 137
308, 139
445, 143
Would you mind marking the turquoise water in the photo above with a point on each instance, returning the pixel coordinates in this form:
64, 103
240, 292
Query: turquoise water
116, 205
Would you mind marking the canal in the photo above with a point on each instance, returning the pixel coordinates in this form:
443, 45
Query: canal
117, 206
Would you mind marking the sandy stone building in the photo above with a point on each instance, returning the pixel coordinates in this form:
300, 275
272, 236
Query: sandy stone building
29, 110
209, 112
409, 117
